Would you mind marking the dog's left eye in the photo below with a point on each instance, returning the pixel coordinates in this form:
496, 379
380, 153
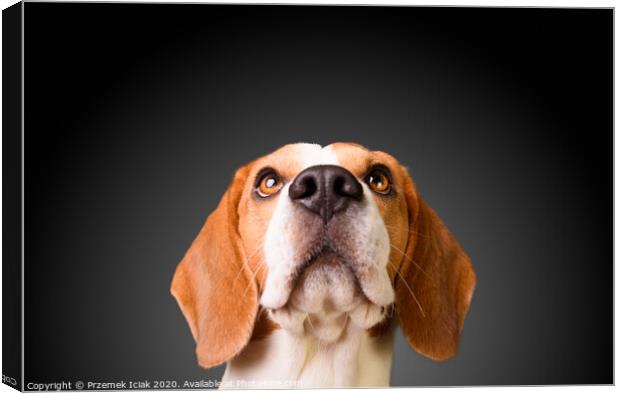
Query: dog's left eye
268, 185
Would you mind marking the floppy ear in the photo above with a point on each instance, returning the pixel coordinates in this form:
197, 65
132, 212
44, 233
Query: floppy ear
214, 285
439, 282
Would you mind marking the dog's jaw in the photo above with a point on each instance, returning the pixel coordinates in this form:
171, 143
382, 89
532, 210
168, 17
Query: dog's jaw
326, 298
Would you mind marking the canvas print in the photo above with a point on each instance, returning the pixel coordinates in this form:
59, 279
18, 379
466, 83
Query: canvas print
209, 196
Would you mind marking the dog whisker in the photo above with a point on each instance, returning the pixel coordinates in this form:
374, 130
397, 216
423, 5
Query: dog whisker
309, 321
408, 231
254, 281
410, 291
248, 259
412, 261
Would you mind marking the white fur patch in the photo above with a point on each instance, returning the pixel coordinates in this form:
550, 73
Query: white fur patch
279, 253
279, 249
285, 360
313, 154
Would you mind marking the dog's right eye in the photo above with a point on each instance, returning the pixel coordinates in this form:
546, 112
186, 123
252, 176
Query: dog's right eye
268, 184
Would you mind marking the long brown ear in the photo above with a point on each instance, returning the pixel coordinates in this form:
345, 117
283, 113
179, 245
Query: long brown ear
215, 287
439, 283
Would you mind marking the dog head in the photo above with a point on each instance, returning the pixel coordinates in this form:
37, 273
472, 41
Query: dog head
322, 237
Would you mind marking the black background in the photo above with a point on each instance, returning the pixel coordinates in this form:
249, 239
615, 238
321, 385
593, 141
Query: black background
137, 116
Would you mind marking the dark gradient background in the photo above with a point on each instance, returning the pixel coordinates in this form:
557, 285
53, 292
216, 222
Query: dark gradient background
138, 115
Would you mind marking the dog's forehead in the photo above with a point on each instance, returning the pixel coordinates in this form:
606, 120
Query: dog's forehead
291, 159
356, 158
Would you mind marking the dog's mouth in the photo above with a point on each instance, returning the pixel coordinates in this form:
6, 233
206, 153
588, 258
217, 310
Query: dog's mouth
324, 255
326, 282
327, 276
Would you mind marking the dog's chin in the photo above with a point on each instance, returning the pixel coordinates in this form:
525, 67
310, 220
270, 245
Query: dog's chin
326, 284
326, 298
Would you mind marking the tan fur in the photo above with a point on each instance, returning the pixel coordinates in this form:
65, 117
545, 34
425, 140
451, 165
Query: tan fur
209, 280
441, 277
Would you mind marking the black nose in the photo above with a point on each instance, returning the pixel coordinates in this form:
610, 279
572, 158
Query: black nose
325, 189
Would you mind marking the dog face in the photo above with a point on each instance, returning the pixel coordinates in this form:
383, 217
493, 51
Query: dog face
321, 237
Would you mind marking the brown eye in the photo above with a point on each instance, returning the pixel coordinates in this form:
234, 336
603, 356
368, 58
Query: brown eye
379, 182
268, 185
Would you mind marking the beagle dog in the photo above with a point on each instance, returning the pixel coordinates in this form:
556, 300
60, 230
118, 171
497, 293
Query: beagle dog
312, 257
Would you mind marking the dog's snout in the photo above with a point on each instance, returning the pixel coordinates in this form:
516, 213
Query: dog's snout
325, 189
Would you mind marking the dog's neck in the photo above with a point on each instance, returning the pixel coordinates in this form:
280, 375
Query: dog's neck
287, 360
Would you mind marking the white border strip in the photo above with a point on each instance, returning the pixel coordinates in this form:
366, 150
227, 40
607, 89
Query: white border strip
432, 3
